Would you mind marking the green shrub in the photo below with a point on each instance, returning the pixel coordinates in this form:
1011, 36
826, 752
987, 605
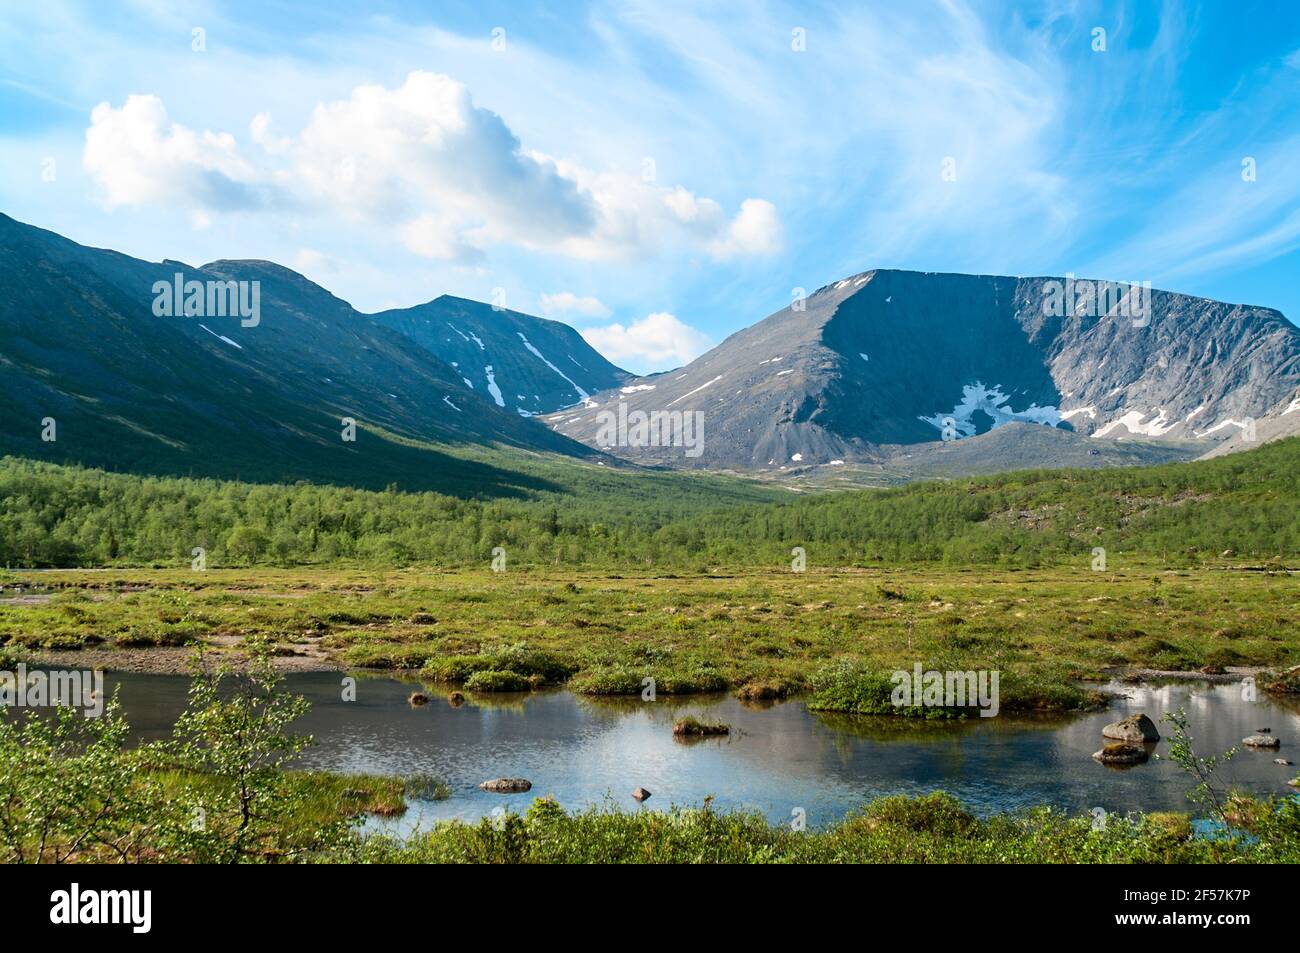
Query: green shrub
496, 680
518, 658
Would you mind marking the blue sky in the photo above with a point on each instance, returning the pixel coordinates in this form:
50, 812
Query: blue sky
658, 174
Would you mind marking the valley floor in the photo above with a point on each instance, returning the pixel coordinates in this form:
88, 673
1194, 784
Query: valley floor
755, 633
825, 635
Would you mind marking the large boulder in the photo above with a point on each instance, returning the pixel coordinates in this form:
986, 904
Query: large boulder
1121, 753
507, 785
1261, 741
1135, 729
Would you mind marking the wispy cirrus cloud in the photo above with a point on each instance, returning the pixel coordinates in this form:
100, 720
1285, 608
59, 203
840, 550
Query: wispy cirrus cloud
667, 156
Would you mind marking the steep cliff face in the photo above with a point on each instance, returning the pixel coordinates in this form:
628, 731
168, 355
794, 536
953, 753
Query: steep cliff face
888, 359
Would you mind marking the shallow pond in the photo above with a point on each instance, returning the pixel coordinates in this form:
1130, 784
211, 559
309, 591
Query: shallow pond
777, 758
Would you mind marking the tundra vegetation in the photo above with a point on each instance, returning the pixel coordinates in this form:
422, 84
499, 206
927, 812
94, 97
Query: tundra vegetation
219, 791
834, 635
601, 592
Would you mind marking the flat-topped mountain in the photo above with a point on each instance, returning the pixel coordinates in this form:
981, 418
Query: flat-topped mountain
876, 363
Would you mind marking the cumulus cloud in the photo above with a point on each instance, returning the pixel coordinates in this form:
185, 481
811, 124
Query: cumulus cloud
264, 135
567, 303
448, 179
309, 261
451, 172
138, 155
656, 342
754, 231
431, 237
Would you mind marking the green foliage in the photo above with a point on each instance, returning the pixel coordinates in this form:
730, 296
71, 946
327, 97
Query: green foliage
528, 665
692, 727
848, 685
495, 680
934, 828
1200, 769
238, 739
1245, 502
853, 686
68, 791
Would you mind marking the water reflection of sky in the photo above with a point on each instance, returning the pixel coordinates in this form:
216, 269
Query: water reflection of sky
776, 760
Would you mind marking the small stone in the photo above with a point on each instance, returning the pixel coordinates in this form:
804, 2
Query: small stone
1121, 753
641, 794
1261, 741
507, 785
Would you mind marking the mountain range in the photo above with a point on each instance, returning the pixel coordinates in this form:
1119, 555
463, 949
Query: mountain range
888, 366
885, 376
218, 395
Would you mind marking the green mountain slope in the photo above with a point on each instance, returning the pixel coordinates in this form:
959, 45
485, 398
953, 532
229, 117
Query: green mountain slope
1248, 503
130, 390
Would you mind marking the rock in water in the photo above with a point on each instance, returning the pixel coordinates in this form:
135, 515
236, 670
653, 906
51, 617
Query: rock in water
1261, 741
641, 794
507, 785
1121, 753
1135, 729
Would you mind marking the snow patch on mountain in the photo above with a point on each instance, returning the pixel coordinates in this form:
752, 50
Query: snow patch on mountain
1135, 423
493, 389
582, 394
696, 390
993, 402
1242, 425
1090, 411
221, 337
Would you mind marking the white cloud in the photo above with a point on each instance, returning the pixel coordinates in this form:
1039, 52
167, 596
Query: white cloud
656, 342
139, 156
430, 237
448, 179
263, 134
755, 231
568, 303
309, 261
454, 173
